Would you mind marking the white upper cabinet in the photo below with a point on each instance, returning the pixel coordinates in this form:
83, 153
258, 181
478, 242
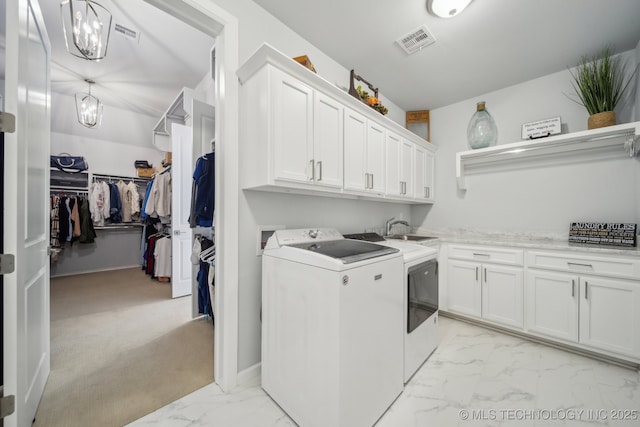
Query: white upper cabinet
399, 165
301, 134
364, 154
328, 134
356, 176
292, 113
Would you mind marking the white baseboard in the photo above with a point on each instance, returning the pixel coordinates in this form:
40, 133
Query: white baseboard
250, 373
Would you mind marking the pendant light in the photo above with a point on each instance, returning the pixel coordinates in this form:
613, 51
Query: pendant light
89, 108
86, 26
446, 8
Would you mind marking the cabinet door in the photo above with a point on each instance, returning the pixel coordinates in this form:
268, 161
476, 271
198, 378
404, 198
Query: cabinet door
292, 128
393, 150
430, 168
552, 304
406, 167
464, 288
327, 141
375, 157
610, 315
419, 173
355, 151
502, 289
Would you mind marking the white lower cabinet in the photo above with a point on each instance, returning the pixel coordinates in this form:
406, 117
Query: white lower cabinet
582, 304
491, 292
610, 315
464, 288
502, 300
552, 304
591, 302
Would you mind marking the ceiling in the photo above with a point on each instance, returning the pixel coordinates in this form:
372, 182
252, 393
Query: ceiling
491, 45
142, 75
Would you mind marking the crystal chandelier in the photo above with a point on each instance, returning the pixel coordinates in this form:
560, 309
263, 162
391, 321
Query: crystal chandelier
86, 26
89, 108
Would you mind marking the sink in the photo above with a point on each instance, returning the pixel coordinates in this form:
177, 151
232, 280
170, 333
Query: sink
409, 237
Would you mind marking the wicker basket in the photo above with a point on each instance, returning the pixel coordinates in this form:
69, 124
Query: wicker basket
600, 120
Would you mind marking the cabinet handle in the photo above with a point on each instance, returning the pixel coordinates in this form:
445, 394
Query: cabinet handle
319, 170
366, 180
485, 275
426, 192
313, 170
476, 274
576, 264
404, 187
586, 290
573, 288
371, 175
482, 255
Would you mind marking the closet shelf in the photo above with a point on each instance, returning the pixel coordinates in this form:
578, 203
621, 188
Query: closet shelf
624, 138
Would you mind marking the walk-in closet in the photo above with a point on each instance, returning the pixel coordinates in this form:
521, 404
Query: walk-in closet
133, 138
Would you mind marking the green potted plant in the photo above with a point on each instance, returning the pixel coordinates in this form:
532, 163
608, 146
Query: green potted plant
599, 84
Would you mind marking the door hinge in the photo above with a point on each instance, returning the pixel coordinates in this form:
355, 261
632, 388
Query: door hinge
7, 122
7, 263
7, 406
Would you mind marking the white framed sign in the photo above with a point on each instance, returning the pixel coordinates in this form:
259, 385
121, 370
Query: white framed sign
541, 128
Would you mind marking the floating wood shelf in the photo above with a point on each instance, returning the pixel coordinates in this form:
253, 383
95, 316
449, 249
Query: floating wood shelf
624, 137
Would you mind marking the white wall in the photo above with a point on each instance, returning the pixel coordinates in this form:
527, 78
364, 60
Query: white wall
118, 125
542, 198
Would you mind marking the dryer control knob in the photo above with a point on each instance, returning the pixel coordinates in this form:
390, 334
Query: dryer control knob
313, 233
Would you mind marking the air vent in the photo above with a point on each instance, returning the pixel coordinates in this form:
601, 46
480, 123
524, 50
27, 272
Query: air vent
416, 40
127, 33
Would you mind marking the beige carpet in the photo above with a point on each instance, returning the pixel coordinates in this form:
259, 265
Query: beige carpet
120, 349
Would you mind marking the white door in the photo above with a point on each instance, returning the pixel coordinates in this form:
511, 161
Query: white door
356, 176
465, 288
181, 181
502, 300
393, 165
552, 304
375, 157
328, 134
610, 315
26, 356
430, 170
292, 112
406, 167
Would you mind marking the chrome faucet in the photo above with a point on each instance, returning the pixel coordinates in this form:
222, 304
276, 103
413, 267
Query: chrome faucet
390, 223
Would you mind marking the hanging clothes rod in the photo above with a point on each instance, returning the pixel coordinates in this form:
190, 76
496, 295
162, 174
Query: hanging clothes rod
101, 177
66, 190
124, 226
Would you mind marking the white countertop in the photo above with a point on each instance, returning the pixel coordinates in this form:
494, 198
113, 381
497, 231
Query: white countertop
519, 240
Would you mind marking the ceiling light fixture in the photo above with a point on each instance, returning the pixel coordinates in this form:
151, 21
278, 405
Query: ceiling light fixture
446, 8
89, 108
86, 26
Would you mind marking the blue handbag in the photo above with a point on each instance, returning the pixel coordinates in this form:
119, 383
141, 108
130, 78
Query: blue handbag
68, 163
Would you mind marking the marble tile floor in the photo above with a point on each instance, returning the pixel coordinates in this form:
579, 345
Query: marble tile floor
476, 377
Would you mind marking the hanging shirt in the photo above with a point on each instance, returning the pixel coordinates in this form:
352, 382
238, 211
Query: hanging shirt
115, 211
134, 197
203, 192
96, 203
125, 201
162, 255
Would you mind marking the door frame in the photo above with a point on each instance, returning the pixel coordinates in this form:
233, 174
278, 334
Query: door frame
225, 353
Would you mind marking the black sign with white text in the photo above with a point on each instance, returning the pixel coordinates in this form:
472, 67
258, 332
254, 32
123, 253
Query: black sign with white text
602, 233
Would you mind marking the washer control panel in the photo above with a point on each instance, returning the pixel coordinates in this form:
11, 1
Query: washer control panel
292, 237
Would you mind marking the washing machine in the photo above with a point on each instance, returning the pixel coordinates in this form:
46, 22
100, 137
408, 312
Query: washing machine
332, 327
